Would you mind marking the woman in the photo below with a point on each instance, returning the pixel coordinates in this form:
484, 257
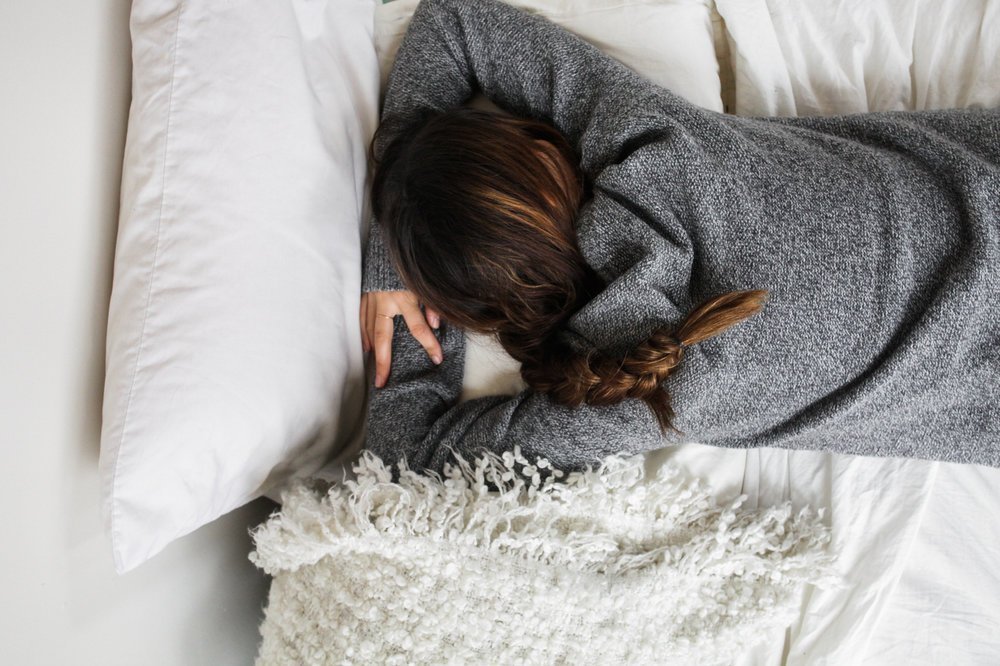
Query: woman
613, 236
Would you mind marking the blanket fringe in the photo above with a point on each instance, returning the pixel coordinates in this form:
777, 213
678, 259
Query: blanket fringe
510, 558
506, 503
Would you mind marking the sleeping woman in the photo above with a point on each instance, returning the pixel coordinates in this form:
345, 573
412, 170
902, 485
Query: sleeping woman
669, 274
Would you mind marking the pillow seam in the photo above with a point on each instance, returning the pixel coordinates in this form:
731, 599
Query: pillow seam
115, 534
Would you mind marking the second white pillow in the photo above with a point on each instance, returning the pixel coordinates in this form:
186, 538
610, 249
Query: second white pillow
669, 42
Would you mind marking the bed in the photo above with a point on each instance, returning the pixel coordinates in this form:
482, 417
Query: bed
911, 597
918, 541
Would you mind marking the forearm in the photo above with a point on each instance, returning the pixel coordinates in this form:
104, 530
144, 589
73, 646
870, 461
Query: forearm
416, 416
569, 437
378, 273
416, 394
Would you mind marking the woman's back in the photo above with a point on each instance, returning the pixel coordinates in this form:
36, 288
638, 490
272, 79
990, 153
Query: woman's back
878, 238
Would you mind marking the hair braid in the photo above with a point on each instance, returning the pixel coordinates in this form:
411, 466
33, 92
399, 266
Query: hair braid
597, 379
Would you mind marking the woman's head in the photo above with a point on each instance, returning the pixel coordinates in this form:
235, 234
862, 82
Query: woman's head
478, 211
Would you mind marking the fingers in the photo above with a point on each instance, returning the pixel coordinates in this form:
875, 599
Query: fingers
370, 319
382, 342
365, 346
377, 310
433, 318
420, 330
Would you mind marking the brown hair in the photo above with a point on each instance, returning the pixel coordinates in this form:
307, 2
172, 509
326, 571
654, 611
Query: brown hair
478, 211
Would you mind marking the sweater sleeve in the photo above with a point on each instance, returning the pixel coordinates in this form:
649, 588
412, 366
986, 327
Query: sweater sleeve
525, 64
416, 416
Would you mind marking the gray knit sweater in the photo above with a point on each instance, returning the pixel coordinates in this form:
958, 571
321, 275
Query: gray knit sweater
877, 235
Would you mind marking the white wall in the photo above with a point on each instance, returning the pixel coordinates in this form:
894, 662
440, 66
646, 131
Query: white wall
64, 87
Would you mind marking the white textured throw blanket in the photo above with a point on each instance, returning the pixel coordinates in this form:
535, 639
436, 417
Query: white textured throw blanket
500, 561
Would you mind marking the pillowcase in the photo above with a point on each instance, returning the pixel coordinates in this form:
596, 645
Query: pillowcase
823, 57
669, 42
233, 353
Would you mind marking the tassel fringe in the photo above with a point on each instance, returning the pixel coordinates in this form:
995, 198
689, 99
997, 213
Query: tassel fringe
611, 555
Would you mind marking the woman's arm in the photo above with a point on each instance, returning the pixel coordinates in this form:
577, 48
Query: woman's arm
525, 64
415, 416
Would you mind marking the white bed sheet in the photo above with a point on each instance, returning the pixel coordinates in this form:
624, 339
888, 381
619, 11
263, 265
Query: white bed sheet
945, 608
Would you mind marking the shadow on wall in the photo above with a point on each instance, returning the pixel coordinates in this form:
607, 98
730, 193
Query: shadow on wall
106, 182
87, 86
236, 612
109, 74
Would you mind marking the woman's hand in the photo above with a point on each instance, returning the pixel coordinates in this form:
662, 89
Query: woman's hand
378, 308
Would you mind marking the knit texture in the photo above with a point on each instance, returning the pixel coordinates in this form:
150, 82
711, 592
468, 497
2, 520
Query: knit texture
876, 234
496, 563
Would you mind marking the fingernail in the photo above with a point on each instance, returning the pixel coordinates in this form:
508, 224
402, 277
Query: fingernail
437, 359
378, 382
435, 322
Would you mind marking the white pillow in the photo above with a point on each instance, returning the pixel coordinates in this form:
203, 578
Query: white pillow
669, 42
234, 354
826, 57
